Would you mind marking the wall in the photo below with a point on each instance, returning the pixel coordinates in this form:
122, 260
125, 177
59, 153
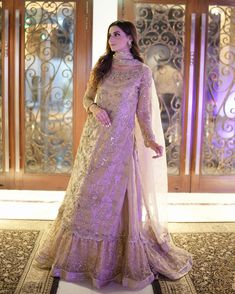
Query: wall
104, 12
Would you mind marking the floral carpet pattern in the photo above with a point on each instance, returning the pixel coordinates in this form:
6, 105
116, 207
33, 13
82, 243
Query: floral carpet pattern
213, 269
16, 248
17, 273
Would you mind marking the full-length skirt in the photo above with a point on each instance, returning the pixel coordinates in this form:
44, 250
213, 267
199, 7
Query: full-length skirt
99, 233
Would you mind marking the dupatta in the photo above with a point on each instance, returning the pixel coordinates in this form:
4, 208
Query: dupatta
153, 174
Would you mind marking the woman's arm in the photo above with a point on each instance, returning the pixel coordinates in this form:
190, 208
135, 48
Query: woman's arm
90, 105
144, 111
89, 96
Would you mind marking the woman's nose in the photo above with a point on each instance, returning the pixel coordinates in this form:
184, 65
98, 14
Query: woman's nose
111, 37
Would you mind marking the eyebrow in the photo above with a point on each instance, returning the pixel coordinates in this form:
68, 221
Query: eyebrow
115, 32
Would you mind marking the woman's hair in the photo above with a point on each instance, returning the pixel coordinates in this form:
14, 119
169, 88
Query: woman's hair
104, 63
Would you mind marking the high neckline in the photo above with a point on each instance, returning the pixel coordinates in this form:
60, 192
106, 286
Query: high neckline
124, 59
123, 55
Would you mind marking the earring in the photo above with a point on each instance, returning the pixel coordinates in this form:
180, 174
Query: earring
129, 43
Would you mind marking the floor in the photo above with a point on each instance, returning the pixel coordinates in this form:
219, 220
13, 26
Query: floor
182, 207
187, 212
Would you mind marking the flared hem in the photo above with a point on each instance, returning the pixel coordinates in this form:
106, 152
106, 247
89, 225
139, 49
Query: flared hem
98, 283
131, 263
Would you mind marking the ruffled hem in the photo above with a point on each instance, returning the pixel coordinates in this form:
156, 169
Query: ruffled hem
134, 264
98, 283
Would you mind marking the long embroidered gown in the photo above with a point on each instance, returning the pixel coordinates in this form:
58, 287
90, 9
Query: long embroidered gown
98, 234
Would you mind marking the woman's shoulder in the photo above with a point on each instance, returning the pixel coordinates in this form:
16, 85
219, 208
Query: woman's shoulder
145, 68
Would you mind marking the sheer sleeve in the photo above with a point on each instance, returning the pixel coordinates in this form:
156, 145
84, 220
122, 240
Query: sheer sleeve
144, 107
89, 96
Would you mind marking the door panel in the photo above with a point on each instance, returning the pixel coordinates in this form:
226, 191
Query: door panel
215, 159
48, 87
48, 75
164, 44
218, 143
161, 29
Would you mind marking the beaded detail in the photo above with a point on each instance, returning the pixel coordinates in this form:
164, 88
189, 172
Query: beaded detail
124, 58
98, 233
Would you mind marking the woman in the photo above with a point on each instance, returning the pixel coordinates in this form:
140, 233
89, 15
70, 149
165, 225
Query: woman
107, 228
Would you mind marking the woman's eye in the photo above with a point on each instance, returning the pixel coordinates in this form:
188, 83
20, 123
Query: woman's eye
116, 34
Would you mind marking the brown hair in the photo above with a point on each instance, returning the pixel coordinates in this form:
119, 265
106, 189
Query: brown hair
104, 63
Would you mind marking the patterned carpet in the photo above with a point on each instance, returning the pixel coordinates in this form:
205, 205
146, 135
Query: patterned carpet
181, 286
17, 274
214, 260
213, 269
16, 248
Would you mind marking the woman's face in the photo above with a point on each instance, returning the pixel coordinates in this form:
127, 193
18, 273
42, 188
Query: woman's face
118, 40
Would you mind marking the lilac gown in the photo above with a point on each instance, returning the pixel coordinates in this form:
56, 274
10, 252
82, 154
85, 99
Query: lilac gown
98, 233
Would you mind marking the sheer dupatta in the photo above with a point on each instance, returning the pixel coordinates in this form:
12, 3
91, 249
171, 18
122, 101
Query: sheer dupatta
153, 175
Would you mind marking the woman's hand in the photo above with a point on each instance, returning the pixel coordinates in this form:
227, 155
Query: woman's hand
157, 148
100, 115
